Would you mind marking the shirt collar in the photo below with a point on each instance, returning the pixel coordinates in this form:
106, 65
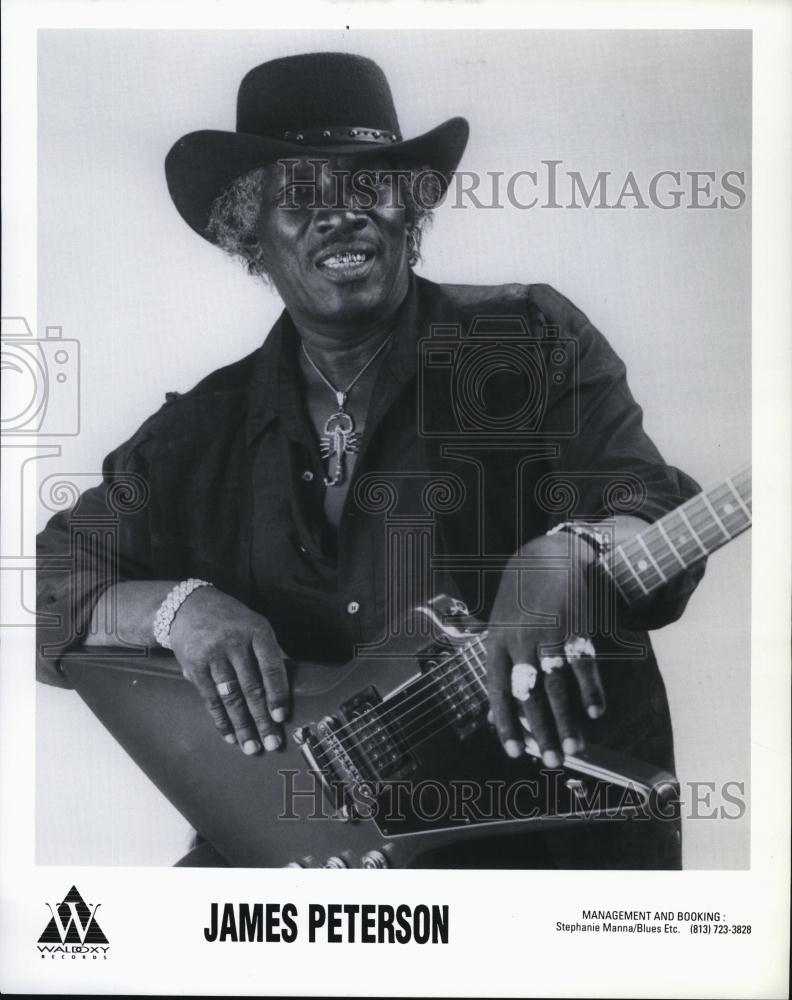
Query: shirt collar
263, 404
274, 389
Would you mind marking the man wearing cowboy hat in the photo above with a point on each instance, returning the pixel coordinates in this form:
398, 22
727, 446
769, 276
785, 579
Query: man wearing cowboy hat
264, 534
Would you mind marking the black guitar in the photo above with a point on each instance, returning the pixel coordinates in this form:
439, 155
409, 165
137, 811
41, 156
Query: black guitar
392, 757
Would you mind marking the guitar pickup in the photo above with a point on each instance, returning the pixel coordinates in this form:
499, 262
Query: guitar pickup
459, 694
377, 743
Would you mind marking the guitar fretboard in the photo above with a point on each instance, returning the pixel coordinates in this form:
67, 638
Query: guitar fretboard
679, 539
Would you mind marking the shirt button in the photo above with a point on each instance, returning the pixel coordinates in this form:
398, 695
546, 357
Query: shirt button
307, 476
353, 607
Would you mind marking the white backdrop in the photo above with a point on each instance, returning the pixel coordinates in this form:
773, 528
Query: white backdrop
155, 308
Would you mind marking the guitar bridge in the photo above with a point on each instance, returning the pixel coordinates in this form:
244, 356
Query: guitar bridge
355, 752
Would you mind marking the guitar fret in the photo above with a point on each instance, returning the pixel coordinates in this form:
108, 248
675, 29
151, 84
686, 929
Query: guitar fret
623, 577
692, 530
683, 540
682, 537
660, 550
718, 521
631, 568
643, 570
611, 571
738, 498
702, 522
654, 561
671, 545
746, 486
731, 509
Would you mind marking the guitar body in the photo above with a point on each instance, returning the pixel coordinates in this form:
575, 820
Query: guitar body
386, 758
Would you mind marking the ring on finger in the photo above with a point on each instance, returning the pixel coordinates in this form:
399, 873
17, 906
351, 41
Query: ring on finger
551, 663
523, 680
226, 688
579, 647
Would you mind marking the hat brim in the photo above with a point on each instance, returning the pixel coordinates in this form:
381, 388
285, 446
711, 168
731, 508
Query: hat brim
201, 165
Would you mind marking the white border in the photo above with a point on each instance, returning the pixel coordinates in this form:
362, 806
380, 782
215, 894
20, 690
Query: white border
503, 942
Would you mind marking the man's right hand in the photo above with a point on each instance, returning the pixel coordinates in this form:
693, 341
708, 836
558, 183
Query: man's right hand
231, 655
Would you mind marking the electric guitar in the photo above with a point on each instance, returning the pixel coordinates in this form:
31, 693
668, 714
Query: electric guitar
391, 756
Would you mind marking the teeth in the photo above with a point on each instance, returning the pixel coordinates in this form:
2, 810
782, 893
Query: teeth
344, 259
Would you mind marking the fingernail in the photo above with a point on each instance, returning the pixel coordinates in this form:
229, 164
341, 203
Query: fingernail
251, 746
551, 758
570, 745
229, 738
513, 748
271, 742
594, 711
279, 715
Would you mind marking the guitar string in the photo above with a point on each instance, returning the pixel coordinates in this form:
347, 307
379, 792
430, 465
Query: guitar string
351, 741
426, 682
697, 513
703, 523
430, 676
416, 737
698, 517
625, 576
714, 496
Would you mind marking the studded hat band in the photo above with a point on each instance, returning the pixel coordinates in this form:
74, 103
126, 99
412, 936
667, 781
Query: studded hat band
340, 133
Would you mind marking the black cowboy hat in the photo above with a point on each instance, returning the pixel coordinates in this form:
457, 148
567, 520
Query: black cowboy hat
315, 104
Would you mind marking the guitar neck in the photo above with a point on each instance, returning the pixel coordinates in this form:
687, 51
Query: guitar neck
681, 538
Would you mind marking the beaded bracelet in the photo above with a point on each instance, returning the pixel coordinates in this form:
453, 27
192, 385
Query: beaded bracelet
163, 620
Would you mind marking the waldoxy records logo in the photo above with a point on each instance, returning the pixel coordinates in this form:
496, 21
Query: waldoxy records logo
74, 931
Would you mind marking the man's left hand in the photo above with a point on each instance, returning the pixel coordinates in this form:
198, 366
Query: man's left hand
541, 664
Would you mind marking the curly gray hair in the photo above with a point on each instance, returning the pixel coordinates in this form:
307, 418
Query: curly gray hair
234, 216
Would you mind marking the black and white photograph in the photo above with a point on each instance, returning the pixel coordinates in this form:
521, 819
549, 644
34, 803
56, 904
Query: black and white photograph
386, 417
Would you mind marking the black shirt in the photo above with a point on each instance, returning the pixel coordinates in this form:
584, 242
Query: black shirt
497, 412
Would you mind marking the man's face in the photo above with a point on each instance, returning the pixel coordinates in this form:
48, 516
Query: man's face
335, 242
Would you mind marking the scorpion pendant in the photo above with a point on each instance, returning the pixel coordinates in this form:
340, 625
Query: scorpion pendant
339, 440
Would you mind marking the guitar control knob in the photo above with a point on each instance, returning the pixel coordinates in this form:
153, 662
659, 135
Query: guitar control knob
335, 862
293, 864
374, 859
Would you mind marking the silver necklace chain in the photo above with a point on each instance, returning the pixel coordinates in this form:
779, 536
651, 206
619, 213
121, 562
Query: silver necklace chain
340, 438
341, 395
